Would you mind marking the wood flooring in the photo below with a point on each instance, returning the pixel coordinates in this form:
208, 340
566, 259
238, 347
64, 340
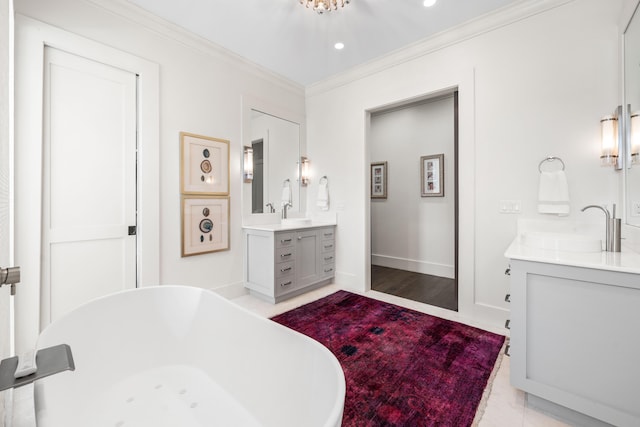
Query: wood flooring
433, 290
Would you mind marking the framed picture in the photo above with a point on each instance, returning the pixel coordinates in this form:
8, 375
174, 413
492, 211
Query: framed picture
379, 180
205, 225
204, 165
432, 175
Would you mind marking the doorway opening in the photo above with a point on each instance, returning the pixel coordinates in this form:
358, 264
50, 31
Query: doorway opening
414, 200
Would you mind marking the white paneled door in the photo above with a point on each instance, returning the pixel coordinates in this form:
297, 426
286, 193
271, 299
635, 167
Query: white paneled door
89, 182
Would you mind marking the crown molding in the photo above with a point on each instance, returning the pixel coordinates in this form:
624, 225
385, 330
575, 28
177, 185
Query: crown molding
492, 21
136, 15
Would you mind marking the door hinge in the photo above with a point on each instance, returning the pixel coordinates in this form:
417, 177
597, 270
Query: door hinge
133, 230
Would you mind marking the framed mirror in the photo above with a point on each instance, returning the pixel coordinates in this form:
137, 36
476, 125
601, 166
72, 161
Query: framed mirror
276, 157
631, 64
275, 135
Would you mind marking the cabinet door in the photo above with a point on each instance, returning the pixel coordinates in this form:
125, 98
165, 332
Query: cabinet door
307, 250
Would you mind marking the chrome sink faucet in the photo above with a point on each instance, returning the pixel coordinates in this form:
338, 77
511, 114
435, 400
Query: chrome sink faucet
284, 209
612, 227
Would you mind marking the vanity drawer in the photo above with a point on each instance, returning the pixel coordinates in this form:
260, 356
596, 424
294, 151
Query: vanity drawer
328, 246
284, 285
328, 270
284, 240
328, 234
284, 269
328, 258
285, 254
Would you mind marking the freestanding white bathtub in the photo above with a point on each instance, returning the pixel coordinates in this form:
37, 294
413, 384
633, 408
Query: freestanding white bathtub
183, 356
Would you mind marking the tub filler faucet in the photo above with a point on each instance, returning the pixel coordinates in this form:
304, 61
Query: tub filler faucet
612, 228
18, 371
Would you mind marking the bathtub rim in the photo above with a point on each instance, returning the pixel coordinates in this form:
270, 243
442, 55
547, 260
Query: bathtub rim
334, 417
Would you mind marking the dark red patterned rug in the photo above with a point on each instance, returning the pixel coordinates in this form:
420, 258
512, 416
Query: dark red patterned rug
402, 367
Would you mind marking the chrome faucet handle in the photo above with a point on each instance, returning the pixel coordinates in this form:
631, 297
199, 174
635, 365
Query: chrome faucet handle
272, 209
284, 209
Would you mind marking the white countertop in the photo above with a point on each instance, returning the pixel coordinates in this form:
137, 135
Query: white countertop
288, 227
627, 261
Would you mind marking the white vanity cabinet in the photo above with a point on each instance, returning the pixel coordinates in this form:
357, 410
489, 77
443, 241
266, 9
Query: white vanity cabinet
575, 332
282, 263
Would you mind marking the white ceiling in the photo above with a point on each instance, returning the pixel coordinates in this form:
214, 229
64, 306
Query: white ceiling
297, 43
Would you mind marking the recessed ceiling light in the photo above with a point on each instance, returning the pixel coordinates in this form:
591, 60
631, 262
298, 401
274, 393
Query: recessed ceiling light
429, 3
339, 45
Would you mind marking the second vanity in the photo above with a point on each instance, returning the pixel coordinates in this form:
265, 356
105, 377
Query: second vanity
282, 261
575, 323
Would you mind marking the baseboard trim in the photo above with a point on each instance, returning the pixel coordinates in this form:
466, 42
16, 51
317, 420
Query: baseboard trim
231, 291
415, 266
348, 281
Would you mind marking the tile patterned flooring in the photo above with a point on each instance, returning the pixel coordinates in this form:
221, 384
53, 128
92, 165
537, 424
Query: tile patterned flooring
505, 406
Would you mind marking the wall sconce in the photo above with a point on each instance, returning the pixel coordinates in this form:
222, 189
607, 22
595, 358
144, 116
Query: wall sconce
634, 145
304, 171
248, 164
609, 127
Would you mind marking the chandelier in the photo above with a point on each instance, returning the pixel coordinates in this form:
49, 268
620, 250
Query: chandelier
322, 6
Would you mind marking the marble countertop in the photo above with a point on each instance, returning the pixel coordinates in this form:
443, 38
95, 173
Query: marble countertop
626, 261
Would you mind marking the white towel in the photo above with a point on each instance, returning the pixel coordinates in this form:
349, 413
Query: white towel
323, 195
286, 192
553, 193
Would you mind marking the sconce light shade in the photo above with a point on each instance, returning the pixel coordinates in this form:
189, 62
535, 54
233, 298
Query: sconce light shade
248, 164
634, 144
609, 126
304, 171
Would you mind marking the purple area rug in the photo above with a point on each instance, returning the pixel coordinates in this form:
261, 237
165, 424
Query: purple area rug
402, 367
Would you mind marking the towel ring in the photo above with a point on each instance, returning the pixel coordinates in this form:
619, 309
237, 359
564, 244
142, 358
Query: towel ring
550, 159
325, 179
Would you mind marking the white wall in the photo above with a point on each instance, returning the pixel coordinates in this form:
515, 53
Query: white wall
409, 231
530, 89
201, 90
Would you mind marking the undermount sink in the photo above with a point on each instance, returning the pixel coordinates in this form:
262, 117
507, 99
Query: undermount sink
564, 242
294, 222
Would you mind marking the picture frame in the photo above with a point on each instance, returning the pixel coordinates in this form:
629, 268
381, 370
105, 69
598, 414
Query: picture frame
432, 175
379, 180
205, 225
204, 165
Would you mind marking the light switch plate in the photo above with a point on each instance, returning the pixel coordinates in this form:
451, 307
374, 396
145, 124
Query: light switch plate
510, 206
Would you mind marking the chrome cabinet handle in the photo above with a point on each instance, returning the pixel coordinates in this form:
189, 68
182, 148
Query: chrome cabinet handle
285, 269
329, 270
507, 297
285, 241
328, 246
507, 324
285, 255
329, 258
286, 283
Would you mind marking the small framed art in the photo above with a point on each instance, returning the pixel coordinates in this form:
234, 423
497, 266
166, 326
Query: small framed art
205, 225
379, 180
204, 165
432, 175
